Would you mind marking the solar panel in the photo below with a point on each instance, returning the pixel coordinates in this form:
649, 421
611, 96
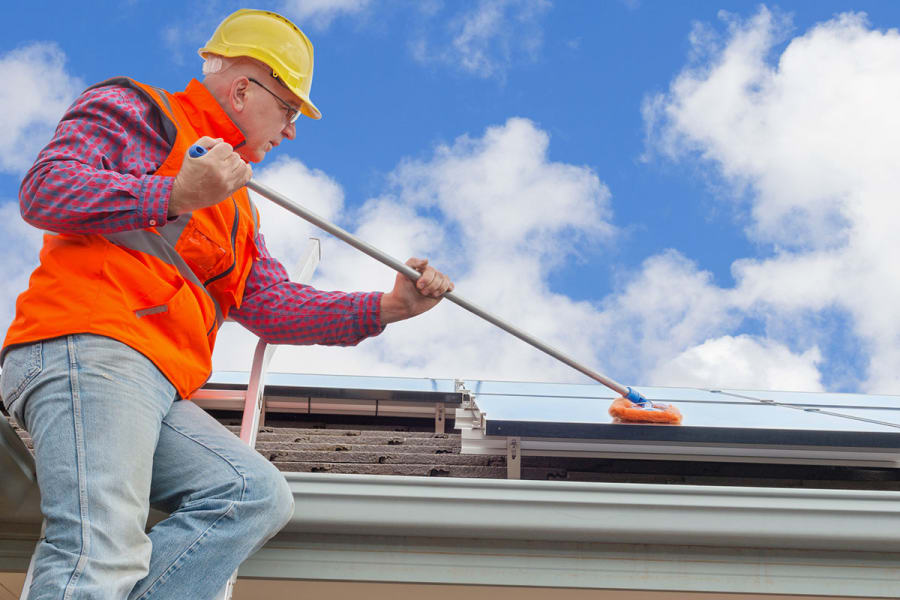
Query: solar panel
540, 419
565, 419
337, 395
348, 386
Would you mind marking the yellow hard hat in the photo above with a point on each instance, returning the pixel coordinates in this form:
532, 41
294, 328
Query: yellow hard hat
270, 38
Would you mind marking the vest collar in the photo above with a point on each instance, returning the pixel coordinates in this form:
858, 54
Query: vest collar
206, 116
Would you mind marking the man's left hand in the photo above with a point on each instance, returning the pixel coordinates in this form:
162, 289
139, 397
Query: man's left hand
408, 298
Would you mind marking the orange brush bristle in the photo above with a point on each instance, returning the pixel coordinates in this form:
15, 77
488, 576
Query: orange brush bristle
623, 410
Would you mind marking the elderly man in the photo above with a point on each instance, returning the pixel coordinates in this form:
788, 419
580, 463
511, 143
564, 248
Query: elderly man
149, 250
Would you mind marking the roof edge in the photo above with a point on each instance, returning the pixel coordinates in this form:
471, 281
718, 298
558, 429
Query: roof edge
812, 519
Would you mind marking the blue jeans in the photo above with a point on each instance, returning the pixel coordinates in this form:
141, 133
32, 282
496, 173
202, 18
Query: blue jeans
111, 440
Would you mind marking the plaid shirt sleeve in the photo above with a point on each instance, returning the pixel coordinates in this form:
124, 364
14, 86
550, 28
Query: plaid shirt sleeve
95, 176
284, 312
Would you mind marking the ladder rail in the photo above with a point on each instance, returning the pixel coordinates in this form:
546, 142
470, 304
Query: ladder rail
254, 400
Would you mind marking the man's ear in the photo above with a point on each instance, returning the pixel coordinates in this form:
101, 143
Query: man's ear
238, 93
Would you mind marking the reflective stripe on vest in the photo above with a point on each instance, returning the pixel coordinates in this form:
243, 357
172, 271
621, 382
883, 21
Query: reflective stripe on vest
148, 242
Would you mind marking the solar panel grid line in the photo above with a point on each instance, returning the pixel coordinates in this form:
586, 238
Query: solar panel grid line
833, 399
809, 408
679, 394
605, 400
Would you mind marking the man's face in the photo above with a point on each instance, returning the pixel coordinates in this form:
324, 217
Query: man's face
265, 120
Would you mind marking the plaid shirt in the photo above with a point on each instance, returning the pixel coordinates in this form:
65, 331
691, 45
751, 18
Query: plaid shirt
95, 177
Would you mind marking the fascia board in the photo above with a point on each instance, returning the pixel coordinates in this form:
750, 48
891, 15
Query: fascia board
740, 517
608, 566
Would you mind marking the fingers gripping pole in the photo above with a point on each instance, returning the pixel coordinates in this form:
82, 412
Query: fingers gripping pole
412, 274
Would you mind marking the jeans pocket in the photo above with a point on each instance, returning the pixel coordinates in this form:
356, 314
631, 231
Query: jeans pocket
20, 366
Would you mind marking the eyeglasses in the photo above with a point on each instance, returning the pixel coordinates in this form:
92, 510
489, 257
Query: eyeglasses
292, 113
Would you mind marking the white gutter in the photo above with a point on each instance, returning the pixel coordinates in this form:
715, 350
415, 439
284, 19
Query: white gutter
372, 528
745, 517
811, 519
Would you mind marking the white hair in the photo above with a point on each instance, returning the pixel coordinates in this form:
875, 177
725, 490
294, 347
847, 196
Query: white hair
213, 63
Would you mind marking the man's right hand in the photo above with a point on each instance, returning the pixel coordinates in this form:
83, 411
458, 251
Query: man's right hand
208, 179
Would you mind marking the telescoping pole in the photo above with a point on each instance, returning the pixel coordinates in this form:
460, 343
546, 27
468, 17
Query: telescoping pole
390, 261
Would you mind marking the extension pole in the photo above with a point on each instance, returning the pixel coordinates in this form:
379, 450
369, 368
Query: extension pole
412, 274
404, 269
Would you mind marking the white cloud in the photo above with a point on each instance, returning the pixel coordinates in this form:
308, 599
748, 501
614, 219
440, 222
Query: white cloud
319, 14
37, 89
485, 40
20, 257
481, 38
809, 140
498, 215
482, 209
741, 362
668, 306
506, 195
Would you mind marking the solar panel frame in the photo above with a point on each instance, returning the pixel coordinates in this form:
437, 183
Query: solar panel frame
547, 419
347, 387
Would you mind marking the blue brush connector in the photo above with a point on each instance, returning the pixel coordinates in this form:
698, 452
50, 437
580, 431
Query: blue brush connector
637, 398
196, 151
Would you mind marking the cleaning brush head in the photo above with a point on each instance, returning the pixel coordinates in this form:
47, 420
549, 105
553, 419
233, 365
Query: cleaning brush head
624, 410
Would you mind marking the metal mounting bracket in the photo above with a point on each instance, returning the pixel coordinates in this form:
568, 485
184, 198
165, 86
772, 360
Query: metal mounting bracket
468, 400
514, 458
439, 414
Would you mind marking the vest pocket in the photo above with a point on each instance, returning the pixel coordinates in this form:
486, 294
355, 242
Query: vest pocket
205, 256
185, 315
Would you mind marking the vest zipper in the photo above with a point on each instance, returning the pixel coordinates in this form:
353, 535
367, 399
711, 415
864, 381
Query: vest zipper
234, 228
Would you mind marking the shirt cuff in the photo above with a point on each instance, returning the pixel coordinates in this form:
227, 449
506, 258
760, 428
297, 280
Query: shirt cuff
370, 316
155, 193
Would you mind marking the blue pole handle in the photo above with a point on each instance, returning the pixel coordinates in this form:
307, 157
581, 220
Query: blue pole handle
196, 151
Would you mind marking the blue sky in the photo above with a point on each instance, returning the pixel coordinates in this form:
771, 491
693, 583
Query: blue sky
675, 193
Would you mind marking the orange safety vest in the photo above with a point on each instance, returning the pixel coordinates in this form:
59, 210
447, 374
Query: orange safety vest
163, 290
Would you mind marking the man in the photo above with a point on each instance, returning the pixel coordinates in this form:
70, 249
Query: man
149, 251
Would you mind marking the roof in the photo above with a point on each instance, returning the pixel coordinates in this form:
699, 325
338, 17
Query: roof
407, 449
352, 425
383, 496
